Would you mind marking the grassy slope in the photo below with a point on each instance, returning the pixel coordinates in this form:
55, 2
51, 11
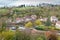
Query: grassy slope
44, 11
3, 11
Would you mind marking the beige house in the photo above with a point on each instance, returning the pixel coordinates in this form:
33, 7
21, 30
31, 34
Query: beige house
33, 17
57, 25
19, 20
43, 19
53, 19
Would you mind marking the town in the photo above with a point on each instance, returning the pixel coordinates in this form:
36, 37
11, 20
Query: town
30, 23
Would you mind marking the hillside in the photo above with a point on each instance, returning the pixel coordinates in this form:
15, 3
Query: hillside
40, 11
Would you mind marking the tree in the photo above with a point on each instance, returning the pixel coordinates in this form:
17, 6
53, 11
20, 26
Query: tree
48, 23
3, 26
38, 22
29, 25
8, 35
14, 16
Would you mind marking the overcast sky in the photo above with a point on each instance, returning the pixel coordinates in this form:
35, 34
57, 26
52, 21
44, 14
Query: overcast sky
19, 2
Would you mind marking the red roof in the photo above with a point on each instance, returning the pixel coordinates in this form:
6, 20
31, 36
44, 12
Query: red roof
54, 17
58, 22
17, 18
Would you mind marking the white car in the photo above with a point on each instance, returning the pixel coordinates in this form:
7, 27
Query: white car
21, 28
28, 19
13, 28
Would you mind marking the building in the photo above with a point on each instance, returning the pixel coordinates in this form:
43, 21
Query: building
9, 20
53, 19
57, 25
19, 20
33, 17
27, 18
43, 19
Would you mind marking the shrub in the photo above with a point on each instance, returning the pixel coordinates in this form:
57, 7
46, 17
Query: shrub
41, 38
51, 35
8, 35
38, 22
41, 27
51, 28
28, 25
22, 36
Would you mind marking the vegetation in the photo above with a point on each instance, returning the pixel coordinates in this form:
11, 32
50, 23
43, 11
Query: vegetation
24, 11
48, 23
9, 35
29, 25
40, 11
41, 27
38, 22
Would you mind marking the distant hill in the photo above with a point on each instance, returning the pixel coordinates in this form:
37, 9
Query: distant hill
40, 11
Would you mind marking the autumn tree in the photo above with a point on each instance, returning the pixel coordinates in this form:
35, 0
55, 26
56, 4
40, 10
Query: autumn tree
29, 25
8, 35
38, 22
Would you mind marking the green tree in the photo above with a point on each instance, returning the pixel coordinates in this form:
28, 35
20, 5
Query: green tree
3, 26
48, 22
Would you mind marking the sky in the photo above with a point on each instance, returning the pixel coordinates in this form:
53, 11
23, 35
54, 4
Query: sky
27, 2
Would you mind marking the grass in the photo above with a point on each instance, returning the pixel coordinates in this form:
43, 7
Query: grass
58, 37
3, 11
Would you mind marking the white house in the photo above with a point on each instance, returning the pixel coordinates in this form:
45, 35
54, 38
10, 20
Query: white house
33, 17
43, 19
57, 25
28, 19
18, 20
53, 19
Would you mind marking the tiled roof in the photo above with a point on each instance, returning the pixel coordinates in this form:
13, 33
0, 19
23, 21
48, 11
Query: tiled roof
58, 22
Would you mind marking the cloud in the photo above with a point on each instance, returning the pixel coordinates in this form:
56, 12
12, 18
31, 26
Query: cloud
19, 2
6, 2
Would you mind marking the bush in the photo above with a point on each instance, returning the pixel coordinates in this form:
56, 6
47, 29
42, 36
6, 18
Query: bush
41, 27
38, 22
58, 37
15, 35
8, 35
52, 37
41, 38
51, 28
28, 25
22, 36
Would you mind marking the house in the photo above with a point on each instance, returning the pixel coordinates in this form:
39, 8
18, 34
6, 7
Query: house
33, 17
43, 19
57, 25
53, 19
9, 20
27, 18
18, 20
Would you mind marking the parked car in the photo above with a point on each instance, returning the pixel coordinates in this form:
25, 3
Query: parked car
21, 28
13, 28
